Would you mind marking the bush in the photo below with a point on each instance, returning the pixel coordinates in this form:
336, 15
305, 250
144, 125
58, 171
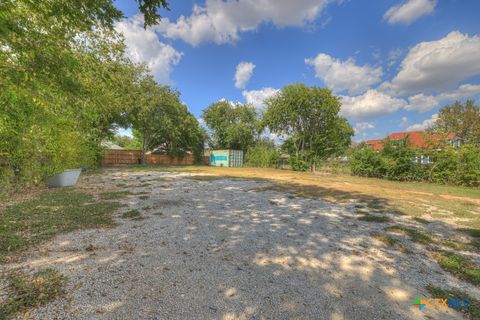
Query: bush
263, 156
298, 164
458, 166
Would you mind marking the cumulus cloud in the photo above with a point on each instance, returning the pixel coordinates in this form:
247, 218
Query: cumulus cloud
409, 11
243, 74
221, 21
361, 127
421, 103
143, 46
437, 65
344, 75
370, 104
257, 97
424, 125
463, 91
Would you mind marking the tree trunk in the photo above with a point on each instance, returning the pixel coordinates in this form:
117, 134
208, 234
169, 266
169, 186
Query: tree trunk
314, 169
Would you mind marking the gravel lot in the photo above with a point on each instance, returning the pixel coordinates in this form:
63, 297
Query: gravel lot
222, 249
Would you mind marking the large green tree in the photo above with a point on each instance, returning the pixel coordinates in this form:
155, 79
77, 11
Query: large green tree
309, 119
233, 126
160, 119
461, 119
64, 83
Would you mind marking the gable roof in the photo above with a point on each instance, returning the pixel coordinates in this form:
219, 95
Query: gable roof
416, 139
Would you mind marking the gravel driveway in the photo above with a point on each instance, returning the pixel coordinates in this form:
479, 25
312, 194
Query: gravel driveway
222, 249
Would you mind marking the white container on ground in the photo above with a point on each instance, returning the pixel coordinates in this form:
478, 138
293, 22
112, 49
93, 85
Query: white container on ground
67, 178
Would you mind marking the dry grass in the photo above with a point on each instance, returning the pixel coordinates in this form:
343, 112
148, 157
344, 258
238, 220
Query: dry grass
414, 199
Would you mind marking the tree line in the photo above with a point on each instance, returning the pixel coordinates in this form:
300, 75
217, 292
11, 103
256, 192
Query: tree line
66, 85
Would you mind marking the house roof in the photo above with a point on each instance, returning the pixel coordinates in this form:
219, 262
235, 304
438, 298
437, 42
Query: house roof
416, 139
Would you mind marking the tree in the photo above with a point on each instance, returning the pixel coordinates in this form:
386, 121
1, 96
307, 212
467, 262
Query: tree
232, 126
160, 119
309, 118
461, 119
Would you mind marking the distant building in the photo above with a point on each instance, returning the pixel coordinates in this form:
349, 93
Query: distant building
418, 139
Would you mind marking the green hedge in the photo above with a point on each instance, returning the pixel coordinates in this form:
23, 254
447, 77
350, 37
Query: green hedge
458, 166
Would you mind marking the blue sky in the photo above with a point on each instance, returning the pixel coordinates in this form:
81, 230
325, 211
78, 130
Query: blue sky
393, 63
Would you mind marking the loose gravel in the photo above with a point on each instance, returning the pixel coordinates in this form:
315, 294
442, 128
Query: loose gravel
221, 249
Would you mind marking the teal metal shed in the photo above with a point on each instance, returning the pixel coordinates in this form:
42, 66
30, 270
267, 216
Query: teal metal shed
226, 158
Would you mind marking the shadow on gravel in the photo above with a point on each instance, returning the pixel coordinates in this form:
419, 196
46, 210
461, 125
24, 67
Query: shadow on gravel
241, 249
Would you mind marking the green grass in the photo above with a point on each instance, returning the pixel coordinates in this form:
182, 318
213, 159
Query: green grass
473, 309
420, 220
386, 239
471, 232
132, 214
52, 212
371, 218
414, 234
459, 266
25, 292
113, 195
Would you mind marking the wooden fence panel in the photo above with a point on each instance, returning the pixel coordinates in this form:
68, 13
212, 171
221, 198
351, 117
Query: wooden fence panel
132, 157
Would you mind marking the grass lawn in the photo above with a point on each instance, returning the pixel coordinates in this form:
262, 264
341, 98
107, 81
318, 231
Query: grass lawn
52, 212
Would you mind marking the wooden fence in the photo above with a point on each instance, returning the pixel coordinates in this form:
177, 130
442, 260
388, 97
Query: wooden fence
131, 157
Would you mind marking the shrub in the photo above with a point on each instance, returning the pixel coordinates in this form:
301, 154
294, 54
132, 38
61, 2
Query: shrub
298, 164
458, 166
263, 156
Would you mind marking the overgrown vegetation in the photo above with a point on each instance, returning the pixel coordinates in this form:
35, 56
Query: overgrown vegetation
25, 291
47, 215
397, 161
263, 155
67, 84
459, 266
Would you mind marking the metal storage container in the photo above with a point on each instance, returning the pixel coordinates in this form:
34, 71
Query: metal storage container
226, 158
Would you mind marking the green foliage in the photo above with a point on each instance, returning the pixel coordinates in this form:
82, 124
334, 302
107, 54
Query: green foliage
233, 127
309, 117
160, 120
460, 119
26, 292
397, 161
458, 265
263, 155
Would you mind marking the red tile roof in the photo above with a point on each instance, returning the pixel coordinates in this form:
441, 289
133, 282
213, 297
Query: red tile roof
416, 139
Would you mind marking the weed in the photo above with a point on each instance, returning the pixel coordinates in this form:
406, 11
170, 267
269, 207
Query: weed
471, 232
25, 292
51, 213
414, 234
420, 220
158, 213
143, 197
131, 214
113, 195
459, 266
372, 218
386, 239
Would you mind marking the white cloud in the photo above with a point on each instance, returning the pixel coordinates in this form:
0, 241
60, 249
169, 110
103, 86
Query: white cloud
370, 104
409, 11
143, 46
464, 91
344, 75
437, 65
243, 74
361, 127
424, 125
222, 21
257, 97
421, 103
